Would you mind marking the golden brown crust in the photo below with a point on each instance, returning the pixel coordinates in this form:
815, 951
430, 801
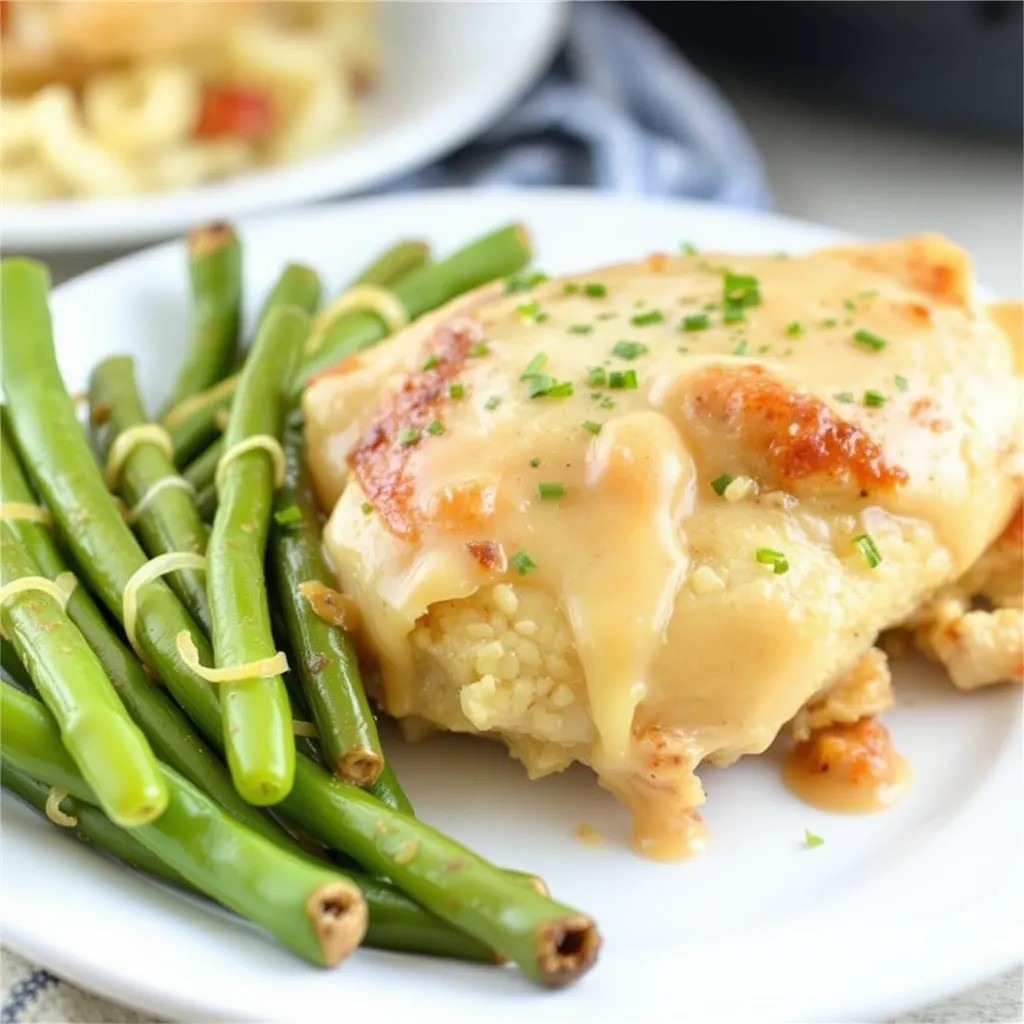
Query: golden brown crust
859, 753
797, 437
929, 263
379, 459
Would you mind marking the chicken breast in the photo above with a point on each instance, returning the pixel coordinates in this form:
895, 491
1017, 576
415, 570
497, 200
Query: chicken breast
640, 517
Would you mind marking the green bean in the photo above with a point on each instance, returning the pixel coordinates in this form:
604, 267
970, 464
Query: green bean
193, 422
395, 263
91, 825
13, 668
107, 746
324, 658
298, 285
553, 944
167, 519
200, 472
215, 275
256, 714
387, 789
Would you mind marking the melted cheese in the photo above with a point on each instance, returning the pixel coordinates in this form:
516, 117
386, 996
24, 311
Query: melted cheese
689, 647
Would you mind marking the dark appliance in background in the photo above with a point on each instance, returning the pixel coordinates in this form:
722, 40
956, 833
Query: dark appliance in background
955, 65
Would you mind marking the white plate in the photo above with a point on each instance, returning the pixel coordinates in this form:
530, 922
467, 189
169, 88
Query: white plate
450, 69
892, 911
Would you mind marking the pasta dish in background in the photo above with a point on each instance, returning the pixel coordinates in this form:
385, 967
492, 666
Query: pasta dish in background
106, 98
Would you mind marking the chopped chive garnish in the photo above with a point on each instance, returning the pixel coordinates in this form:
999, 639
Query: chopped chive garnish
811, 840
763, 349
874, 399
456, 389
652, 316
829, 321
869, 340
622, 379
689, 249
607, 402
492, 403
570, 288
719, 484
596, 376
550, 492
479, 348
531, 313
795, 329
740, 289
408, 436
629, 349
901, 382
592, 427
366, 507
580, 328
535, 462
524, 282
534, 366
733, 314
776, 559
429, 363
741, 348
682, 350
697, 322
846, 397
435, 427
849, 304
868, 293
540, 385
595, 289
709, 306
522, 563
288, 516
607, 315
868, 549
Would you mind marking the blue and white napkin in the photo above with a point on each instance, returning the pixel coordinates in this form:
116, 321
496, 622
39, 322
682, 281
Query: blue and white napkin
620, 110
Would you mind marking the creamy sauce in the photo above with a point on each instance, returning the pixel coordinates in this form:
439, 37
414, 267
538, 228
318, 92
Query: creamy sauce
671, 837
701, 624
587, 835
848, 767
842, 796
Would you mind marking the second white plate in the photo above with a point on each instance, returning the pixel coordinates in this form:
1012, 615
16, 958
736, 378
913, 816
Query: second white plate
450, 69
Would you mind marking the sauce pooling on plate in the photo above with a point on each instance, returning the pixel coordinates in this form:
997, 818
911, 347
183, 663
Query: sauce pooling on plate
849, 769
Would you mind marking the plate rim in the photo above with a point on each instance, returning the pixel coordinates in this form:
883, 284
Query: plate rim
1001, 955
80, 225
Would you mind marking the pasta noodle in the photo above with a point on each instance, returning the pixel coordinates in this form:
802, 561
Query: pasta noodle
112, 99
144, 110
